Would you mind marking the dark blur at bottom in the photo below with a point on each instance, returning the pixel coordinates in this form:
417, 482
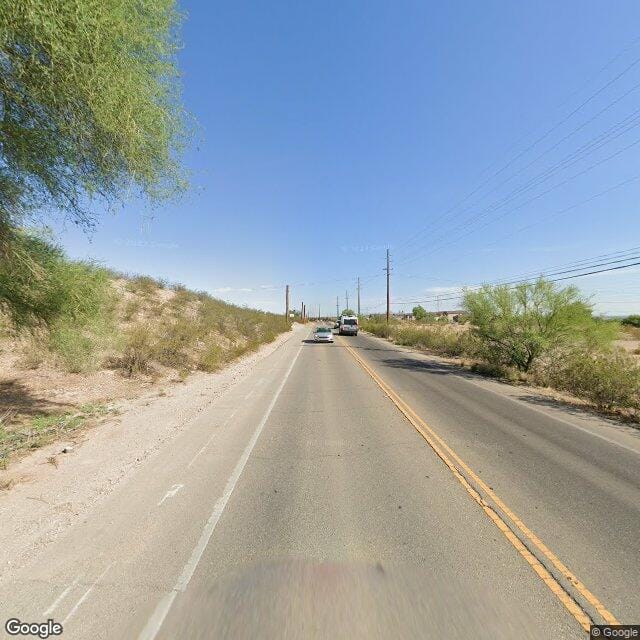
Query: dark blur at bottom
297, 599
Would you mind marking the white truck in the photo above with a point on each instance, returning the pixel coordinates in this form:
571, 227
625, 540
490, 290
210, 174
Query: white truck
348, 326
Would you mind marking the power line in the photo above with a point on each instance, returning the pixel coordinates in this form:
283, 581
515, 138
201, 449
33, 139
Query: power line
594, 144
531, 146
514, 284
605, 259
537, 197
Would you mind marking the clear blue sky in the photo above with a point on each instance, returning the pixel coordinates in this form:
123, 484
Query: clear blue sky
331, 130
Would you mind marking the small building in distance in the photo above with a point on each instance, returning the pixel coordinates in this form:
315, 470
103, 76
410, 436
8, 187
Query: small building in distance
451, 316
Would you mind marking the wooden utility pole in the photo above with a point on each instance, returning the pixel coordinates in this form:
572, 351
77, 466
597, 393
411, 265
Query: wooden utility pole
346, 298
388, 270
337, 307
287, 304
358, 296
318, 312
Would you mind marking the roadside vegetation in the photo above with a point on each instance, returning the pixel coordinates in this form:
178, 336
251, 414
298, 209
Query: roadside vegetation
67, 317
536, 333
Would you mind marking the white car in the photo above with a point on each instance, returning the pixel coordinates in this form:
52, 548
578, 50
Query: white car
323, 334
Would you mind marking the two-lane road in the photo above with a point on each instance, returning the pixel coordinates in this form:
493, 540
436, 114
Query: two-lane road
575, 482
305, 504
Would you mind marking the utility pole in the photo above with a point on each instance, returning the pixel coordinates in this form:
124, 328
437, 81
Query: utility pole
302, 312
318, 312
358, 296
346, 297
287, 304
388, 270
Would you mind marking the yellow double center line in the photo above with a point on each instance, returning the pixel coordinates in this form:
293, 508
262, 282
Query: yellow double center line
457, 467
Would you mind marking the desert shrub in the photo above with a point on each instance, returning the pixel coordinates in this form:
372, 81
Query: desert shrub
131, 309
144, 285
609, 379
632, 321
440, 340
491, 370
173, 343
53, 288
212, 358
137, 351
518, 325
377, 328
74, 348
69, 304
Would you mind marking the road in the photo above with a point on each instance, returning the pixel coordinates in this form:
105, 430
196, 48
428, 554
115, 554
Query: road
356, 490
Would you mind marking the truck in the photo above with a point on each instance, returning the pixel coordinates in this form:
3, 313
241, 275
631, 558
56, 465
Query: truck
348, 326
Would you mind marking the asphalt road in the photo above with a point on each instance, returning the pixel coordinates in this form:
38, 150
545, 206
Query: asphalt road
304, 504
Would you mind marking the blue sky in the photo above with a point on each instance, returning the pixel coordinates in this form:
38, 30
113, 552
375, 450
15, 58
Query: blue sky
329, 131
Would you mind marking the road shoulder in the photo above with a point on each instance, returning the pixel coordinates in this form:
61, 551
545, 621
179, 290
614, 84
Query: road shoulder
48, 499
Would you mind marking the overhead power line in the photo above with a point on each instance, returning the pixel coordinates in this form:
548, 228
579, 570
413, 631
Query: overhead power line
555, 274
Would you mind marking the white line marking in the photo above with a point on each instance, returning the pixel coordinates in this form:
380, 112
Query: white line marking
154, 623
552, 417
249, 394
524, 404
213, 435
60, 598
86, 594
172, 492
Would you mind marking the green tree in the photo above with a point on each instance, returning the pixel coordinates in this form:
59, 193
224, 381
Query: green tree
89, 108
348, 312
419, 312
631, 321
517, 325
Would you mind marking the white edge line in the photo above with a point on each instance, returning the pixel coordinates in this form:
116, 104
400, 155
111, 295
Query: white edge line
85, 595
60, 598
528, 406
552, 417
154, 623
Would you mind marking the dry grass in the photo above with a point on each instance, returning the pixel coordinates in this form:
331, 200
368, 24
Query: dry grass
20, 435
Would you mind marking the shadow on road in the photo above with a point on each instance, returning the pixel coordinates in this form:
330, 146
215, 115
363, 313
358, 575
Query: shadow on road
532, 398
579, 410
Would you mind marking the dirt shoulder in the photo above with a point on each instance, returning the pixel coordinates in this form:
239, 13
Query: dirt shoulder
51, 490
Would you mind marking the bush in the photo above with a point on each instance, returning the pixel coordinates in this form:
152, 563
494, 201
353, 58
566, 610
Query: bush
41, 286
68, 305
440, 340
609, 379
174, 339
144, 285
518, 325
212, 358
491, 370
137, 352
380, 329
631, 321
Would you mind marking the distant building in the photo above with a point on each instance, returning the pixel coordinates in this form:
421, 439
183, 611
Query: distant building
451, 316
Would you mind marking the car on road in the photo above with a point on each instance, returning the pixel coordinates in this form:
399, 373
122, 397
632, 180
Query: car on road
348, 326
323, 334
